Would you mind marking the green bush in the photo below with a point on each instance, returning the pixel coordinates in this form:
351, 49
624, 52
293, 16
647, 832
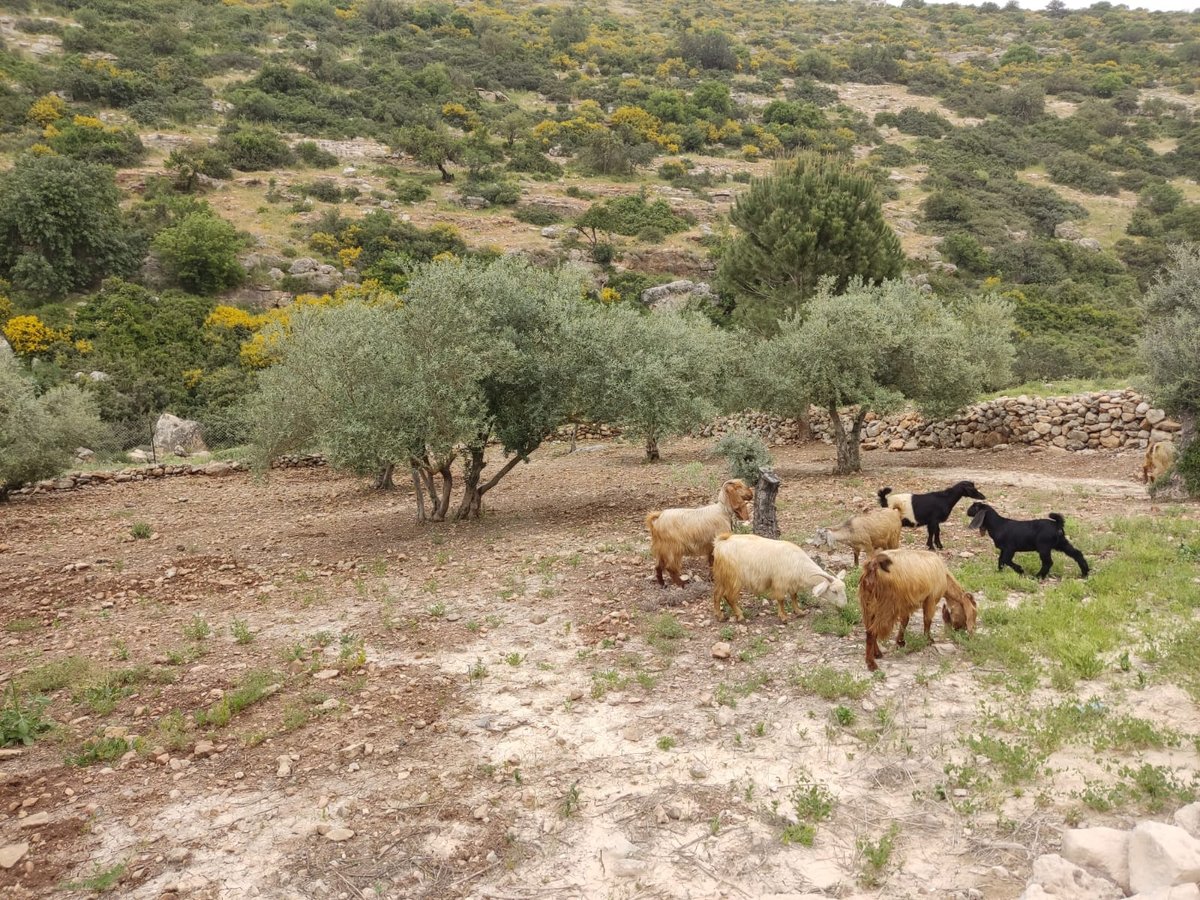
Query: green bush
536, 215
747, 455
1079, 171
255, 149
651, 234
324, 189
411, 191
99, 143
311, 154
200, 253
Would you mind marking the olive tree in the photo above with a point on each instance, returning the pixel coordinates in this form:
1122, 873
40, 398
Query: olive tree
38, 433
875, 347
477, 353
660, 373
1171, 352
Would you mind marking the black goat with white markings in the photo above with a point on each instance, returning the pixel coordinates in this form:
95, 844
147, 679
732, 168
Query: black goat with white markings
931, 509
1012, 536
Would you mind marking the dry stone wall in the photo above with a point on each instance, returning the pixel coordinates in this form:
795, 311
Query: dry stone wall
1109, 420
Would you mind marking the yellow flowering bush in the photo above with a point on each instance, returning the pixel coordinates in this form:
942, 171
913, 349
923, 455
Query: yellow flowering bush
29, 335
46, 109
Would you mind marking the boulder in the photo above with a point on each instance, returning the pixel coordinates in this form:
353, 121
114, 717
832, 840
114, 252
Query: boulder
83, 454
1175, 892
1089, 244
1102, 851
1055, 877
6, 350
1067, 231
1161, 855
138, 456
303, 265
1188, 818
172, 431
677, 294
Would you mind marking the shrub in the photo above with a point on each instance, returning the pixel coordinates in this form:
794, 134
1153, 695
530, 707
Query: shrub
746, 453
310, 153
254, 149
89, 139
965, 251
411, 191
651, 234
323, 189
200, 253
1079, 171
537, 215
502, 193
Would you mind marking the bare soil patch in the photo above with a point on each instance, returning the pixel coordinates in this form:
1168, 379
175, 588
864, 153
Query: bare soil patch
502, 709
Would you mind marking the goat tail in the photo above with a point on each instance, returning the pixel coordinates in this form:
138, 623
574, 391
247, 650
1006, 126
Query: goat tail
883, 493
1058, 520
651, 519
723, 536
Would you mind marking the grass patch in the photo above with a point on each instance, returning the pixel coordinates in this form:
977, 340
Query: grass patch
829, 683
55, 676
252, 688
103, 750
876, 856
171, 731
608, 680
17, 626
241, 631
812, 804
1146, 788
141, 530
841, 622
101, 881
664, 633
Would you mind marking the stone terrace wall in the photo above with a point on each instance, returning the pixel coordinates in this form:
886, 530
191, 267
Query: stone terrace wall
1108, 420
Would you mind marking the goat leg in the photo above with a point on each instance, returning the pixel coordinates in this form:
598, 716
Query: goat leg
873, 652
1047, 562
900, 632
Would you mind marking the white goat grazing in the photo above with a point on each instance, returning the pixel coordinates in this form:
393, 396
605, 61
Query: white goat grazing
676, 533
878, 529
778, 569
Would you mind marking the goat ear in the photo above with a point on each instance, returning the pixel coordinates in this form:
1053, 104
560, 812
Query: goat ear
977, 522
820, 589
840, 576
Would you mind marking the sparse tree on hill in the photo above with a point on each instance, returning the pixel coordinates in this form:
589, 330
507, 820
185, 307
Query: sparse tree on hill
874, 347
814, 217
431, 145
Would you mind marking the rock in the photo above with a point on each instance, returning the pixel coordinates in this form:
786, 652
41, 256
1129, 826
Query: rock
303, 265
725, 716
326, 674
1103, 851
285, 766
1155, 416
1161, 855
83, 454
1188, 818
172, 431
37, 820
698, 770
481, 813
677, 294
1055, 877
339, 833
1089, 244
203, 749
551, 231
216, 469
1175, 892
12, 854
1067, 231
721, 650
138, 456
474, 202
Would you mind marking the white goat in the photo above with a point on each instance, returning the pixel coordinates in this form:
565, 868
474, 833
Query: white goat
676, 533
878, 529
778, 569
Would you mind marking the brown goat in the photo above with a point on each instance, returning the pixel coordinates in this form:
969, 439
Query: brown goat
676, 533
896, 583
1160, 456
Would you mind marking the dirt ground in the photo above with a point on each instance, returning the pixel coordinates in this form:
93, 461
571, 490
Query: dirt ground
523, 724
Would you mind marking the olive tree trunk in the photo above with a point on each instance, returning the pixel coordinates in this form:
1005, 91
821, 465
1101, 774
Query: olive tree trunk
383, 478
766, 522
847, 442
652, 448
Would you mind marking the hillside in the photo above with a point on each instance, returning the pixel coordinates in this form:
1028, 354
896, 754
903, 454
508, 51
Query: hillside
1050, 157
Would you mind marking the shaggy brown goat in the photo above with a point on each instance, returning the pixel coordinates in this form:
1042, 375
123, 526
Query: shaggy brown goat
676, 533
1160, 457
896, 583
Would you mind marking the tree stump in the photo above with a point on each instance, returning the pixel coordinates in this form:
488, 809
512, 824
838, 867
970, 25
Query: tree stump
766, 523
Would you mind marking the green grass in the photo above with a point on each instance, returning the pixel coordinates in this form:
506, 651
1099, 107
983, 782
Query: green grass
666, 742
664, 633
101, 881
829, 683
812, 803
241, 631
876, 856
17, 626
55, 676
103, 750
141, 530
250, 690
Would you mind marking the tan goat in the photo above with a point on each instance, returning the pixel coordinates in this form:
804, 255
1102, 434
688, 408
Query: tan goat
676, 533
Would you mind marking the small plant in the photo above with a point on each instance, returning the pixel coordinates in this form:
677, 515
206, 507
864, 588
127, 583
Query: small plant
799, 833
197, 629
876, 855
829, 683
514, 659
295, 653
570, 802
353, 653
759, 729
666, 742
437, 610
141, 530
727, 633
241, 631
843, 715
714, 825
812, 804
477, 672
100, 881
323, 638
171, 732
22, 721
103, 750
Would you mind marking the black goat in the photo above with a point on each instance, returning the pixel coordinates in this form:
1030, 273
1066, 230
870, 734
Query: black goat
931, 509
1012, 536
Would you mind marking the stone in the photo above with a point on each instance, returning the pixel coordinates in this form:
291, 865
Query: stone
677, 294
1174, 892
172, 431
725, 716
12, 854
203, 749
303, 265
551, 231
285, 766
1155, 416
83, 454
37, 820
1188, 818
138, 456
474, 202
1161, 855
1103, 851
339, 833
1067, 231
1055, 877
698, 770
721, 650
1089, 244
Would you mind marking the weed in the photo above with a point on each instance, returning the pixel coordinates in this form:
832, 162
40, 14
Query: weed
477, 672
437, 610
646, 680
100, 881
473, 626
103, 696
55, 675
843, 715
727, 633
608, 680
121, 650
295, 653
141, 530
294, 716
759, 729
570, 802
16, 626
514, 659
197, 629
21, 721
241, 631
353, 653
323, 638
714, 825
664, 632
171, 732
253, 687
811, 800
666, 742
799, 833
876, 855
103, 750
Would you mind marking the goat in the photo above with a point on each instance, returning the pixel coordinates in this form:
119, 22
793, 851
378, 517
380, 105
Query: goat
896, 583
1160, 456
676, 533
878, 529
779, 569
931, 509
1012, 536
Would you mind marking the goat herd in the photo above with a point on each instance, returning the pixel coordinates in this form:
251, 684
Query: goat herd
894, 583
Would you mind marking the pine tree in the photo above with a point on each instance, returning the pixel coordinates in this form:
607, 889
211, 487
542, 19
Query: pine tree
813, 217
